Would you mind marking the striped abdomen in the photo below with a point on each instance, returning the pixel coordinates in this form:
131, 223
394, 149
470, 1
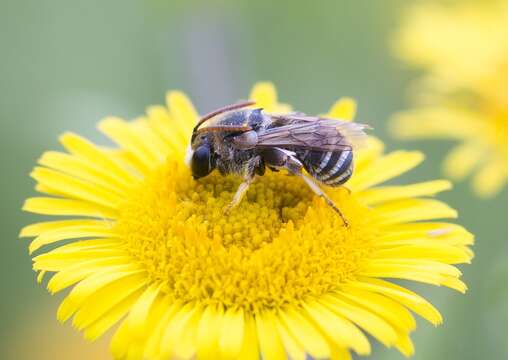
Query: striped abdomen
330, 168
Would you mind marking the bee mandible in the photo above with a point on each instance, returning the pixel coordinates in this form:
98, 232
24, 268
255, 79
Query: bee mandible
239, 140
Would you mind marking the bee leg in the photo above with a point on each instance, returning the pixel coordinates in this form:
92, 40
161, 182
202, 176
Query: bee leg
240, 192
255, 166
281, 158
347, 189
317, 190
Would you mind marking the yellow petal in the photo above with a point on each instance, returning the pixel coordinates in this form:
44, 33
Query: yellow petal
393, 312
438, 251
96, 157
103, 324
106, 298
374, 196
250, 349
340, 354
269, 339
86, 245
209, 331
231, 335
385, 168
264, 94
183, 112
424, 265
414, 233
80, 270
128, 342
137, 319
41, 227
305, 333
343, 109
293, 348
83, 169
65, 207
368, 154
152, 141
428, 123
405, 345
121, 133
120, 342
407, 210
86, 288
454, 283
490, 178
371, 323
63, 263
161, 123
40, 276
462, 160
75, 188
406, 297
153, 345
46, 190
344, 333
83, 250
97, 229
180, 336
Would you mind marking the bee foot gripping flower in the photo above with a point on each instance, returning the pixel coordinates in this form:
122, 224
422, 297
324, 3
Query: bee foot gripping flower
149, 248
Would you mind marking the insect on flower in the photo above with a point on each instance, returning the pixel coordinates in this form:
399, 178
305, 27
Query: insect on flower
241, 141
276, 279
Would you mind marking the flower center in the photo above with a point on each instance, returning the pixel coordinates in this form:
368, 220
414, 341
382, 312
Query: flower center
278, 246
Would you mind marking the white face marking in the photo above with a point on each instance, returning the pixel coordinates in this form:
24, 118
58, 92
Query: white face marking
188, 155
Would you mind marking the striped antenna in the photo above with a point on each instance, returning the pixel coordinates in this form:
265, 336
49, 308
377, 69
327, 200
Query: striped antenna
223, 110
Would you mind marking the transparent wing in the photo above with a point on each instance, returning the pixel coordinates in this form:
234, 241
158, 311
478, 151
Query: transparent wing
313, 133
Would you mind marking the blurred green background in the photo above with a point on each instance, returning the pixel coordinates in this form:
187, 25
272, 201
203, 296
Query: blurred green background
64, 65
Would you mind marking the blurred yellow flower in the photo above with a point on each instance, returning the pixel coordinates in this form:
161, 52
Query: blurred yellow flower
463, 94
279, 276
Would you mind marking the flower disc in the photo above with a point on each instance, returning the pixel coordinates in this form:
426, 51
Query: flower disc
279, 276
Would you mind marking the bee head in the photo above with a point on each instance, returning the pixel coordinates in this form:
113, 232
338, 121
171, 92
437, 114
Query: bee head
200, 153
202, 161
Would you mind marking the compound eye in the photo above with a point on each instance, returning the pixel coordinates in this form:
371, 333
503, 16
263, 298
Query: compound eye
201, 163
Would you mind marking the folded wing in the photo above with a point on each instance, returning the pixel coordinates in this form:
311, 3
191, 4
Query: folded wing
312, 133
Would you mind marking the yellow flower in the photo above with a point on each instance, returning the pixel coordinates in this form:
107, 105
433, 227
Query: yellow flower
463, 94
279, 276
462, 45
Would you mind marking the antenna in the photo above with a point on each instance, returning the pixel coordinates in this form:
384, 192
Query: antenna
223, 110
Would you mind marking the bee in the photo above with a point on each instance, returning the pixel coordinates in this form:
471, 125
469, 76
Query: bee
238, 139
